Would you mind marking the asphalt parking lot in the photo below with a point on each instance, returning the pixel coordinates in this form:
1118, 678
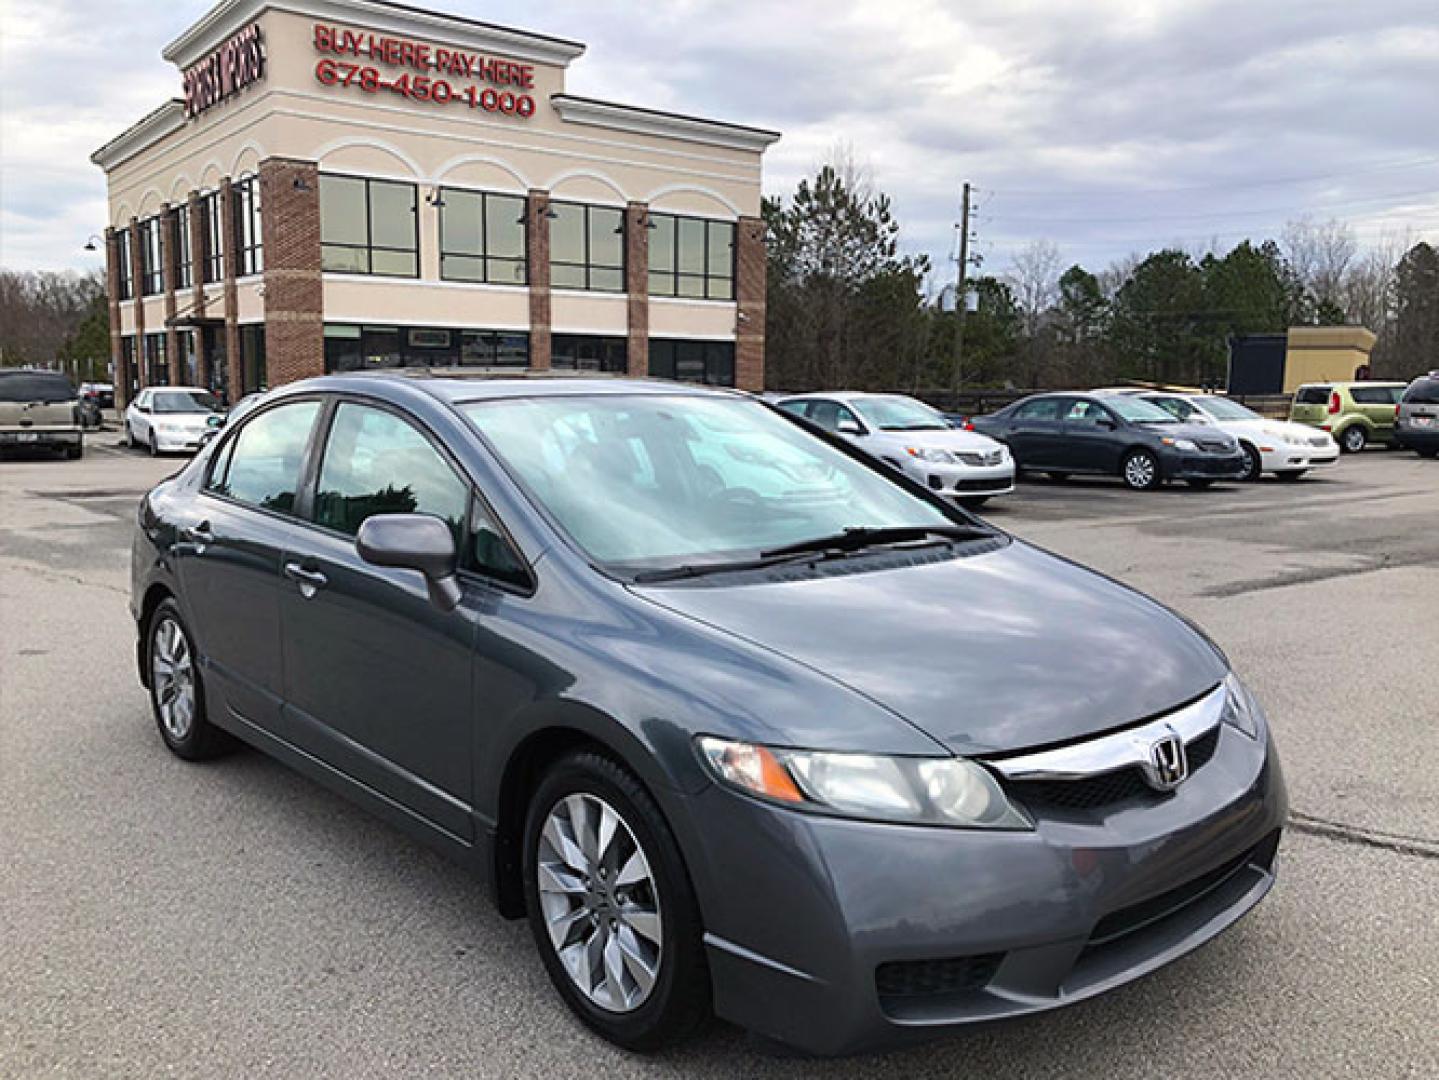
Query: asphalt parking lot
233, 919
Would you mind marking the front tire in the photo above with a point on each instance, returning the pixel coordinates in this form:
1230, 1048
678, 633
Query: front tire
1253, 464
611, 907
1353, 439
154, 444
129, 436
177, 696
1140, 471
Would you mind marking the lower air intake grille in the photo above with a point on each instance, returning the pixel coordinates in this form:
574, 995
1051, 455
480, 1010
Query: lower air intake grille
918, 978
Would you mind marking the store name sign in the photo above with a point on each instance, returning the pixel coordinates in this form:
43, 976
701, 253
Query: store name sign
379, 64
236, 64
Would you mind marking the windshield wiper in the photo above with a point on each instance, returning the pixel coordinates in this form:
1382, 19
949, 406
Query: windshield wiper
857, 537
694, 570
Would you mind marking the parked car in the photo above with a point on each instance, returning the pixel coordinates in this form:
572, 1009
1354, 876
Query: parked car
915, 439
1416, 427
103, 394
40, 409
1112, 435
170, 419
1355, 413
1270, 446
843, 770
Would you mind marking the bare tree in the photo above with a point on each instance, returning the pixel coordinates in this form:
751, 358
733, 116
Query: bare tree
1320, 254
1034, 276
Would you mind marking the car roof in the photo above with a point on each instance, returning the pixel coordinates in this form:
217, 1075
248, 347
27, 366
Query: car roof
177, 389
459, 388
1349, 382
847, 395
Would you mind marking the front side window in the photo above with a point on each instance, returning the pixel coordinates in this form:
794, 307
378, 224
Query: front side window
261, 465
212, 238
180, 241
587, 247
691, 257
377, 463
831, 415
659, 480
482, 237
251, 250
152, 277
124, 267
1089, 413
368, 227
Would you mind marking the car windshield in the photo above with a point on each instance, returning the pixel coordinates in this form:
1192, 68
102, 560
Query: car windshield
894, 413
1223, 409
186, 401
1138, 411
642, 482
38, 386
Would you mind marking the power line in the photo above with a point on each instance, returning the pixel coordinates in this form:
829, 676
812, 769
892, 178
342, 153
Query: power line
1145, 218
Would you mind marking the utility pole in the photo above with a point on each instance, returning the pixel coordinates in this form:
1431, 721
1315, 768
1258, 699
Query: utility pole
961, 281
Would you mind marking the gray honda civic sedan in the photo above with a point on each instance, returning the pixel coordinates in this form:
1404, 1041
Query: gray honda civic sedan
742, 721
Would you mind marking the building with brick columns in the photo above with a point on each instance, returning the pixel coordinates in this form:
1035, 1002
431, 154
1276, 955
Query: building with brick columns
351, 184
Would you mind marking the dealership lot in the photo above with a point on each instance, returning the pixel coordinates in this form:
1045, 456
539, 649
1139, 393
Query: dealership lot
234, 919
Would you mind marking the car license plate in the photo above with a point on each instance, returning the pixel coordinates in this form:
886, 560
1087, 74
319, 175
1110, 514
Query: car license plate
1423, 421
27, 436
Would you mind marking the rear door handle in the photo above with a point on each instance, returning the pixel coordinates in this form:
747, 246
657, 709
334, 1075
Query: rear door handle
310, 581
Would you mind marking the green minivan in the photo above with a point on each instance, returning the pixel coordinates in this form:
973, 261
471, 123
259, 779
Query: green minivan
1355, 413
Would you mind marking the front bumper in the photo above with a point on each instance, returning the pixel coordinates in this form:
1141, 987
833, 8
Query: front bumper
176, 442
1285, 457
838, 936
966, 481
1191, 466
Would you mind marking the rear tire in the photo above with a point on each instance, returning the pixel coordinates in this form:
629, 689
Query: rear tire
74, 453
154, 444
177, 695
1353, 439
1140, 471
1428, 453
1253, 464
677, 1001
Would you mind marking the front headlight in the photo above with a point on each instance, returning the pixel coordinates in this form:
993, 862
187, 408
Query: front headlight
937, 457
1241, 711
1186, 445
918, 791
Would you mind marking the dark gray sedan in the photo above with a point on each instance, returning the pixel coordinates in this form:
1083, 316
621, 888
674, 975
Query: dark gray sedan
742, 721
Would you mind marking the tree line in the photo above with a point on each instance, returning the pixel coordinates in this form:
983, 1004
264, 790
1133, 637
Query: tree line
51, 319
847, 309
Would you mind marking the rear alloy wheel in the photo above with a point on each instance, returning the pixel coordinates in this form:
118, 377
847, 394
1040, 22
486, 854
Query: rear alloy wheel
611, 907
1253, 464
1354, 439
1141, 471
177, 697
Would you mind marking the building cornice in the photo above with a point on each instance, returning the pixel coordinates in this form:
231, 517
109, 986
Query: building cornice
229, 16
166, 120
664, 125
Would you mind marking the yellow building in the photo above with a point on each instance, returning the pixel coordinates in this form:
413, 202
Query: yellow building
1326, 354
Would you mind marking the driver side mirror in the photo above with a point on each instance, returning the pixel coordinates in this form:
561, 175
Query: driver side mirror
141, 407
849, 427
215, 421
419, 542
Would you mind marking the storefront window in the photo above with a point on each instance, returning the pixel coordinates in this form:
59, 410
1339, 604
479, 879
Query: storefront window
247, 226
189, 370
691, 257
180, 241
131, 373
349, 347
212, 238
124, 267
709, 362
482, 237
369, 227
589, 352
157, 370
587, 247
152, 278
252, 360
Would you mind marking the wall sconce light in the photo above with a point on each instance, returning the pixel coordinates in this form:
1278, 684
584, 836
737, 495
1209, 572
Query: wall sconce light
93, 244
301, 184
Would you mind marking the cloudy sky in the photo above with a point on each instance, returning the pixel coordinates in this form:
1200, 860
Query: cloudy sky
1107, 126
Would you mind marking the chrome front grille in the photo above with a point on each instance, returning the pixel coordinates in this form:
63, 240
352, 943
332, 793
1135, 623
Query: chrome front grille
980, 458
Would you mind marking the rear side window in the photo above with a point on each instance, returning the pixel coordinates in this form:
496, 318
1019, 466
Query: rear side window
1422, 392
261, 465
1375, 395
1043, 409
42, 386
1312, 395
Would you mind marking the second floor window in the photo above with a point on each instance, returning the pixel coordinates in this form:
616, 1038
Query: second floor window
180, 241
152, 277
248, 241
691, 257
482, 237
212, 238
368, 227
587, 247
124, 267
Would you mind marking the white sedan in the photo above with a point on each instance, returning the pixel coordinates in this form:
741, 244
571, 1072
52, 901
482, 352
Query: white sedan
168, 419
1270, 446
916, 439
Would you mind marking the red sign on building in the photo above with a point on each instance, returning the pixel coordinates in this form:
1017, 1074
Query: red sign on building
236, 64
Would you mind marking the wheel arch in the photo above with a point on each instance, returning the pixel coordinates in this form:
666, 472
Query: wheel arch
155, 595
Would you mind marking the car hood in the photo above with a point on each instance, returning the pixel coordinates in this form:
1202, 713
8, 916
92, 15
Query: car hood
1256, 428
996, 651
946, 439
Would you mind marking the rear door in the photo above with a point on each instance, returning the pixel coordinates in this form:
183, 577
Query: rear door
1036, 430
1311, 405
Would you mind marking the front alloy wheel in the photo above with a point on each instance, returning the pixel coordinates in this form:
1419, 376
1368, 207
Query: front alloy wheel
177, 696
1253, 464
1141, 471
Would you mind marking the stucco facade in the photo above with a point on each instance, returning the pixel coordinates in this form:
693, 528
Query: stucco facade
288, 98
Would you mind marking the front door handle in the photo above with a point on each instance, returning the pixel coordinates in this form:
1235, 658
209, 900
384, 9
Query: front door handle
310, 581
199, 535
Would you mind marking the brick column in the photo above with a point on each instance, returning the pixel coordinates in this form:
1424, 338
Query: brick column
121, 375
234, 365
537, 254
196, 240
637, 286
750, 268
170, 267
294, 290
137, 289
